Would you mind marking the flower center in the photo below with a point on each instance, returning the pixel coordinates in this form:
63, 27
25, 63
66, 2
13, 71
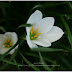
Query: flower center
8, 43
33, 34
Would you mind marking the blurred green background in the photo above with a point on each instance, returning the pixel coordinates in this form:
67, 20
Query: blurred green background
16, 13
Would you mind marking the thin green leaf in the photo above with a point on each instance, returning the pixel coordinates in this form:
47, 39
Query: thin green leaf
35, 55
67, 29
17, 64
2, 28
52, 4
36, 6
9, 62
43, 62
70, 5
66, 48
66, 62
4, 5
29, 63
42, 49
4, 12
24, 25
14, 54
12, 57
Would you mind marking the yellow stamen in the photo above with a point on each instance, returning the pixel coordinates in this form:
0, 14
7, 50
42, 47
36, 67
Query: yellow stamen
31, 37
37, 34
5, 41
5, 44
8, 45
10, 42
32, 31
36, 30
34, 34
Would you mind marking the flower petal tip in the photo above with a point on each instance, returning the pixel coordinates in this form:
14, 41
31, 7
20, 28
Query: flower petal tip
37, 11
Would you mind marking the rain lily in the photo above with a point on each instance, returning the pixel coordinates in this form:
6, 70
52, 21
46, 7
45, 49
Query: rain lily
42, 32
8, 40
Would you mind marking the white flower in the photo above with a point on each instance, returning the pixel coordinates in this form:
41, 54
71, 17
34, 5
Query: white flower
8, 40
42, 32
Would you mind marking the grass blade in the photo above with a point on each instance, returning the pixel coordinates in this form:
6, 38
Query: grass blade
67, 29
29, 63
2, 28
43, 62
17, 64
9, 62
4, 5
70, 5
4, 12
35, 55
66, 62
12, 57
24, 25
42, 49
52, 4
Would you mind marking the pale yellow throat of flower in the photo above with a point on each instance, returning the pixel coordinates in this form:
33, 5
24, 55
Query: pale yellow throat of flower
8, 43
33, 34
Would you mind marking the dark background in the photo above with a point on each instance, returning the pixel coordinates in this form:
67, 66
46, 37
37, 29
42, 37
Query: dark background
15, 13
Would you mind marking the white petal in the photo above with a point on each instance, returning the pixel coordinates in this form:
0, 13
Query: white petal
1, 37
3, 50
12, 51
35, 17
28, 29
30, 43
45, 24
42, 42
12, 36
54, 34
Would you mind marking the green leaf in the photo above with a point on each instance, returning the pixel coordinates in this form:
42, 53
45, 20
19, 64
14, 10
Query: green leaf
70, 5
42, 49
67, 29
43, 62
17, 64
4, 12
35, 55
29, 63
66, 62
52, 4
2, 28
66, 48
4, 5
24, 25
12, 57
36, 6
9, 62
